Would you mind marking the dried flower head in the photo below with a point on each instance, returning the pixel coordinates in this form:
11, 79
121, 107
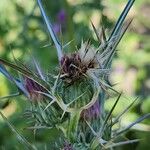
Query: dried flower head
75, 66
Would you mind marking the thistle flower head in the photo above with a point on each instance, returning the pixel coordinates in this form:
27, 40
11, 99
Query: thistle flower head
75, 66
74, 100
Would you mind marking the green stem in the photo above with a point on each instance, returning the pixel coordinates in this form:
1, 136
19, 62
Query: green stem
73, 126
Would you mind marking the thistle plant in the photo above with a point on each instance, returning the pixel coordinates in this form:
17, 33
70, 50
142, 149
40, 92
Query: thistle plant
71, 101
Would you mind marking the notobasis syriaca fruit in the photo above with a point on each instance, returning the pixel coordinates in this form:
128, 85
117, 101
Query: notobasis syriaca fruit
73, 102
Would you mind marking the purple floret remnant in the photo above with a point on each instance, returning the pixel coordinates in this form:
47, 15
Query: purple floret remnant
67, 146
33, 88
91, 113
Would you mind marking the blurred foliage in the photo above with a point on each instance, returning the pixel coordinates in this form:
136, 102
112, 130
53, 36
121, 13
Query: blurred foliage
24, 34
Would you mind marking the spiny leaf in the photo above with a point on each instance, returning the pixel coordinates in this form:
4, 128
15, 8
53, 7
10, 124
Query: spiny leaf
108, 116
19, 136
39, 127
121, 143
5, 73
118, 39
10, 96
123, 112
12, 79
26, 73
134, 123
95, 31
68, 43
95, 141
116, 32
121, 19
50, 29
38, 70
103, 35
20, 64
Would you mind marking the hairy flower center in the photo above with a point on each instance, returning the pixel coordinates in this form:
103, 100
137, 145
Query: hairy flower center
73, 68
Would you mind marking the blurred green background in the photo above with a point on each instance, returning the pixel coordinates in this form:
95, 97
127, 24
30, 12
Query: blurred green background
24, 34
